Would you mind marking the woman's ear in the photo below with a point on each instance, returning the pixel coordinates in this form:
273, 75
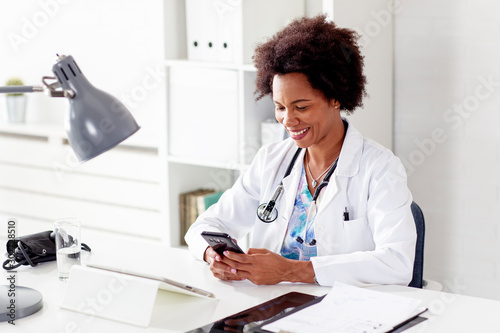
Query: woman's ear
335, 104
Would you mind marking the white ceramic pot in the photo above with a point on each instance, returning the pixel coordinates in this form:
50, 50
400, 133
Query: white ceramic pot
16, 108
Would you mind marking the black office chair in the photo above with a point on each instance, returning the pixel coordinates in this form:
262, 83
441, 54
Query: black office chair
418, 265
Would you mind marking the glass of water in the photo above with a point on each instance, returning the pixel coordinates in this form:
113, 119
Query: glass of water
68, 245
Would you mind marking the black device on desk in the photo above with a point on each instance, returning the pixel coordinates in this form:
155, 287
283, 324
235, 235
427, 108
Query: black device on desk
252, 317
221, 242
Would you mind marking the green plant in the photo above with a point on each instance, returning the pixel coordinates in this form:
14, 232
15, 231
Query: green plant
14, 81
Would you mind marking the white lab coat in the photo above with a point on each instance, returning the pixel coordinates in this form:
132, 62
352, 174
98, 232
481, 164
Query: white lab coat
377, 244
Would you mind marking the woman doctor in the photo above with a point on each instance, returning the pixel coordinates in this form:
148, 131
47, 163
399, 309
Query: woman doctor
357, 228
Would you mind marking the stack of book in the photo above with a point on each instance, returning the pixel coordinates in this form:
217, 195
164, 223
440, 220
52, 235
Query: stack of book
192, 205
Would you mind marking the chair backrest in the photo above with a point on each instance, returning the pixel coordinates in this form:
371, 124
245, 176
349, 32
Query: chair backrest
418, 265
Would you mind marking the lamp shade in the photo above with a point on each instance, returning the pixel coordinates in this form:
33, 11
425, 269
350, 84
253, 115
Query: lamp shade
96, 121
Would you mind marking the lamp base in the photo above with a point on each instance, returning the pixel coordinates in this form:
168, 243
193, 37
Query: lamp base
25, 302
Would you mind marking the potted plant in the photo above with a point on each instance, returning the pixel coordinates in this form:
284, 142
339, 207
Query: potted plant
16, 103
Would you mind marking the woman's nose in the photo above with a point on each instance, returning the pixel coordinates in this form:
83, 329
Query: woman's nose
289, 119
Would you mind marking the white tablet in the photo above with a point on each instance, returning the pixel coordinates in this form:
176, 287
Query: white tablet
165, 283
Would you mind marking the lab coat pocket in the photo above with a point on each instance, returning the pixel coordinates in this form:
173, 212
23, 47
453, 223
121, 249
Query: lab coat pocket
357, 235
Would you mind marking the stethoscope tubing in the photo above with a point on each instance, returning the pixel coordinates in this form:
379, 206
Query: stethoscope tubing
268, 213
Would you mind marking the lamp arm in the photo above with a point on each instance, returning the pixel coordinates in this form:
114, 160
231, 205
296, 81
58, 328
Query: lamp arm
20, 89
51, 89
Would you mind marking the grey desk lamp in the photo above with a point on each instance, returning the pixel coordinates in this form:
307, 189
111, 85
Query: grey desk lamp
95, 123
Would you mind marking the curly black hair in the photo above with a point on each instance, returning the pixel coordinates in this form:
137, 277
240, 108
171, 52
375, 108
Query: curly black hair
329, 56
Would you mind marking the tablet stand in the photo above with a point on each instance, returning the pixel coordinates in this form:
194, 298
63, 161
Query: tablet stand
110, 295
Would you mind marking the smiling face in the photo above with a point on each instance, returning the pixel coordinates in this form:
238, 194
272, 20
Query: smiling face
310, 118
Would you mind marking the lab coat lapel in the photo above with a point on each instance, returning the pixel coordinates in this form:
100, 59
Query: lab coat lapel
329, 192
348, 165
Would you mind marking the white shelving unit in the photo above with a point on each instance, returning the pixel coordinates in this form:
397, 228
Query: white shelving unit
45, 182
224, 140
213, 120
208, 146
137, 186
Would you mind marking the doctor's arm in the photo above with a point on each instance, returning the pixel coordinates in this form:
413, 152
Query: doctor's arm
233, 214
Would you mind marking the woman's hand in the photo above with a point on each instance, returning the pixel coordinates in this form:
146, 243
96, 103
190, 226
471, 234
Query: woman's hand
218, 265
262, 266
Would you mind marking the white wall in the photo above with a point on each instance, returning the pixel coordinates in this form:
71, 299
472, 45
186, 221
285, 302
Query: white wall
447, 103
118, 45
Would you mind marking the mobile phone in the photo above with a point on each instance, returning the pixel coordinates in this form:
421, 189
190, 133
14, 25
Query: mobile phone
221, 242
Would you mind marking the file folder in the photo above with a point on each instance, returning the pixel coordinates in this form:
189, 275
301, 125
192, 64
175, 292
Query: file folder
229, 31
193, 29
208, 29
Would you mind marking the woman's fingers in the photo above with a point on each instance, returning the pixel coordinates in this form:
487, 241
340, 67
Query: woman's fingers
235, 258
222, 267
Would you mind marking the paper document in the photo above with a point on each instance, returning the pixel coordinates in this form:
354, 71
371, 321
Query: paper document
350, 309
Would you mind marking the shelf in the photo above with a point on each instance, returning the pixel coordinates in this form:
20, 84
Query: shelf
212, 65
56, 133
37, 130
206, 163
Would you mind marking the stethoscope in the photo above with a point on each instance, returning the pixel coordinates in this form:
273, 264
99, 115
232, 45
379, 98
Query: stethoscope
268, 213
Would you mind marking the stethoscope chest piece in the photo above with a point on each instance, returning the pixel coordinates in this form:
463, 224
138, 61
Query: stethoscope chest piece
266, 213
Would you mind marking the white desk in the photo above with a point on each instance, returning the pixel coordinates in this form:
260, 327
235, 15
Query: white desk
179, 313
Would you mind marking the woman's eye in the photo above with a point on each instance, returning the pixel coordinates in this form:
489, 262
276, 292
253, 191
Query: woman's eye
301, 107
280, 108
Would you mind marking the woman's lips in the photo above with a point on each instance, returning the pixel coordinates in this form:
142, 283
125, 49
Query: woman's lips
298, 134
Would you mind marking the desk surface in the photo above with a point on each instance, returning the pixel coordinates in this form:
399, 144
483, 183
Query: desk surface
179, 313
